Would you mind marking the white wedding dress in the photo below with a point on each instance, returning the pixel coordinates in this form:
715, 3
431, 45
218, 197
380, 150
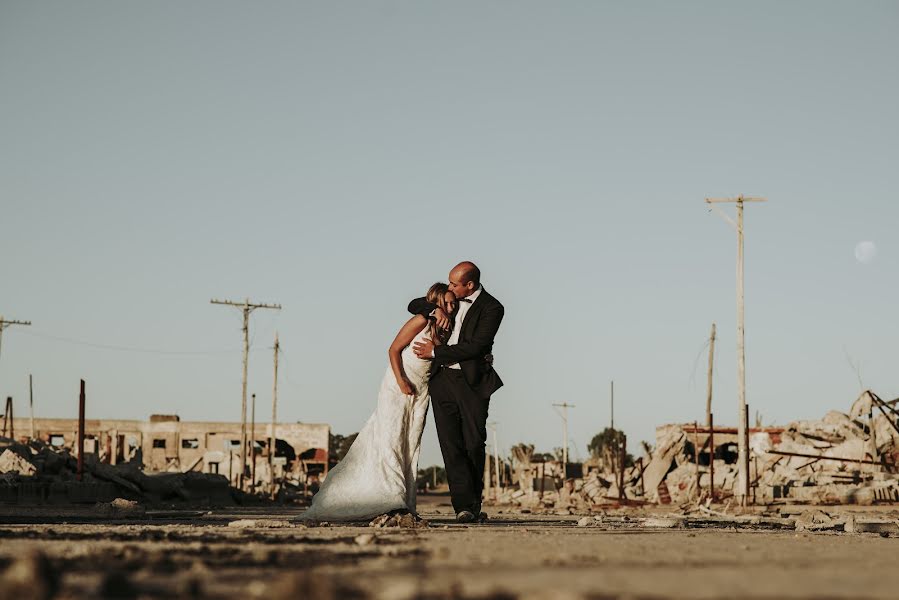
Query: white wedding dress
378, 473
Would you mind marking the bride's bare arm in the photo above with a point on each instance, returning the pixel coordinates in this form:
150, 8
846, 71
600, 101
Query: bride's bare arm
405, 336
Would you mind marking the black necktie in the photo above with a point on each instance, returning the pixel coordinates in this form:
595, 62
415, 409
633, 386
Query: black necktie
464, 300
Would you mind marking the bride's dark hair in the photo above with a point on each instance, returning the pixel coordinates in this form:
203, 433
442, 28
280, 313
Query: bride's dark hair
437, 295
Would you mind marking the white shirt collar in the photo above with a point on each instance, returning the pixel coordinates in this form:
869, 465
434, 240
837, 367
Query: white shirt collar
474, 295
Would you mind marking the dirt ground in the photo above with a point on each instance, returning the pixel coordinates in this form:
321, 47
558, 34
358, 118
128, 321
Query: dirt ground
73, 554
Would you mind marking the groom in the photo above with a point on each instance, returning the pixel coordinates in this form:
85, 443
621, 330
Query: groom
462, 380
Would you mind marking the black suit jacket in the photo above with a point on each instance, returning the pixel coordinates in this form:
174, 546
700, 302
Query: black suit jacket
475, 342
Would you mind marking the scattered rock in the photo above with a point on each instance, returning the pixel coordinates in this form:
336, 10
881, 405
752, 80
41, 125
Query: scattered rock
662, 522
405, 520
365, 539
30, 577
815, 520
263, 524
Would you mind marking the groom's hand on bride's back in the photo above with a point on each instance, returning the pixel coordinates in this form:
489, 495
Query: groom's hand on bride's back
424, 349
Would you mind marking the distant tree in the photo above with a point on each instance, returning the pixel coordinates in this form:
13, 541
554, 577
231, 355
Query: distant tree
339, 445
425, 477
523, 453
605, 445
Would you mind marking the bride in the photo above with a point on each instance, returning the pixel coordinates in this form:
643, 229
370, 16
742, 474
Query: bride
378, 474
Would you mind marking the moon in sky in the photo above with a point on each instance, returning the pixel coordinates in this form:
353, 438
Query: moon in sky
865, 252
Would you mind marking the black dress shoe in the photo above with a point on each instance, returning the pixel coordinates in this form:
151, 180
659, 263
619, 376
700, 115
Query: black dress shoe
464, 516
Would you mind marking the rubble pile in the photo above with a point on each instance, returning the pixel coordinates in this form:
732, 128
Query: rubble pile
839, 459
842, 458
38, 473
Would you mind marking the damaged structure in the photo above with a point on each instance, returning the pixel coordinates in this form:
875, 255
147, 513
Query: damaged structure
134, 454
842, 458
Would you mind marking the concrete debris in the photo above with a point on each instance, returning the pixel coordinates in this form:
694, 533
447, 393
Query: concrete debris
120, 507
404, 520
10, 462
858, 525
816, 520
260, 524
840, 459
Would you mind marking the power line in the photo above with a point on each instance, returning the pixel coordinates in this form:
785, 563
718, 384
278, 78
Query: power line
102, 346
4, 323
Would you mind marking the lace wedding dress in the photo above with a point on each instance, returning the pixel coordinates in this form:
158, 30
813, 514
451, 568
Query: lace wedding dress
378, 473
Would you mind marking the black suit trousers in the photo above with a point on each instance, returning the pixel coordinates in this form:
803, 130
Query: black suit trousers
461, 418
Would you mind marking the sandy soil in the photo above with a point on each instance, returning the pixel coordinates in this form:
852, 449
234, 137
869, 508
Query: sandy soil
183, 554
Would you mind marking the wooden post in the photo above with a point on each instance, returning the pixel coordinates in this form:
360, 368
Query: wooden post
496, 465
622, 456
708, 399
696, 454
712, 457
273, 440
31, 403
746, 495
486, 494
81, 400
542, 477
8, 419
253, 446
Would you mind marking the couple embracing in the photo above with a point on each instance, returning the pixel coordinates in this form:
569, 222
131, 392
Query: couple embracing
442, 354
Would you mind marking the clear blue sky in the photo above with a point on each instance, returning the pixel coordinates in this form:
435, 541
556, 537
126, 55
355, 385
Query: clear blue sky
340, 157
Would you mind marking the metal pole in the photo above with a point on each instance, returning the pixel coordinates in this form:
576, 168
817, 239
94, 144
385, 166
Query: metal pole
243, 404
81, 433
253, 446
273, 441
31, 402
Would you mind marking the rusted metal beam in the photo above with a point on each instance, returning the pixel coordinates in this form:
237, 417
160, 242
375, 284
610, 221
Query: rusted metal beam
81, 433
822, 457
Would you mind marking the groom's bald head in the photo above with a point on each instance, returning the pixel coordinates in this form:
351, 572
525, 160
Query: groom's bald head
464, 279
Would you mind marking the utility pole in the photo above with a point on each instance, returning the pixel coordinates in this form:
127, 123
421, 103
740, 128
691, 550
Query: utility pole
272, 440
246, 307
564, 414
6, 323
708, 399
741, 346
